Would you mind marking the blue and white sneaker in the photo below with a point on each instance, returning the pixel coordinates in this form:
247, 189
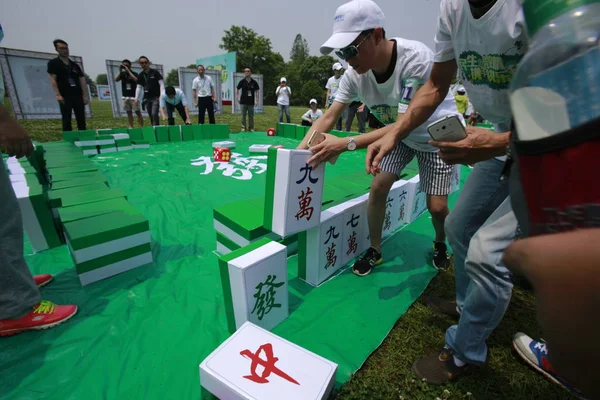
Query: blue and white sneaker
536, 355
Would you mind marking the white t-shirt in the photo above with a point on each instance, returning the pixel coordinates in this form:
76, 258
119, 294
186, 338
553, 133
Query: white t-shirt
388, 99
333, 86
312, 116
203, 86
487, 51
283, 95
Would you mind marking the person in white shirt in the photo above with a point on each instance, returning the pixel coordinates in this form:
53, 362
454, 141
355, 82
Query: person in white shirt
283, 93
312, 114
385, 74
486, 39
203, 92
332, 86
174, 99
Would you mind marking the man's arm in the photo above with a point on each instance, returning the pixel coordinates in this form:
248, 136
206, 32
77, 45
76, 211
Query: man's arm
427, 99
132, 75
118, 78
55, 87
83, 84
187, 115
138, 92
256, 94
277, 90
325, 123
162, 86
163, 106
327, 98
330, 148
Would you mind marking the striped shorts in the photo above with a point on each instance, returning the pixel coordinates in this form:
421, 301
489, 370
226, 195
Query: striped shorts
435, 175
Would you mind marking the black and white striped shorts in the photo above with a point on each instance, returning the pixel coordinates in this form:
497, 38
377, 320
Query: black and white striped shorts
435, 175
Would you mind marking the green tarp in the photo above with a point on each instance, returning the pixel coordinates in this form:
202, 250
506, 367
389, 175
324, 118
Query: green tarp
143, 334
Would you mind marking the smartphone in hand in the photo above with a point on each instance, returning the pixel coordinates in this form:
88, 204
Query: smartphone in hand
447, 129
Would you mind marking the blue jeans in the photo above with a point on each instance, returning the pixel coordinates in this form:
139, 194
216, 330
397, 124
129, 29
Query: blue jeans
481, 195
283, 109
479, 228
490, 287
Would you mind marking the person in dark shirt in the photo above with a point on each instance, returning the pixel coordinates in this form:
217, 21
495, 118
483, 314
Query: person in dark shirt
68, 83
247, 93
128, 80
151, 84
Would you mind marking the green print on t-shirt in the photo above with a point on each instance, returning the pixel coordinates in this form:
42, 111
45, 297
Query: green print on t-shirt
493, 70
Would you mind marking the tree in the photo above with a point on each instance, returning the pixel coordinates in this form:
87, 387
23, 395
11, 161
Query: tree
92, 85
312, 90
313, 68
172, 78
192, 66
256, 52
299, 51
102, 79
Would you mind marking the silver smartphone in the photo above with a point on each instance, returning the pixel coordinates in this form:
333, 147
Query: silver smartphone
447, 129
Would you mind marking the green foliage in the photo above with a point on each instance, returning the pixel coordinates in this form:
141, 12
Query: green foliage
92, 85
172, 78
255, 51
310, 90
300, 50
102, 79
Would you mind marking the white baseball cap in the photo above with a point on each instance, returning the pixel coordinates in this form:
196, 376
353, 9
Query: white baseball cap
312, 101
337, 66
283, 80
350, 20
461, 89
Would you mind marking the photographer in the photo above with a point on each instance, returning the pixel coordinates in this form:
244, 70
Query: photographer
128, 80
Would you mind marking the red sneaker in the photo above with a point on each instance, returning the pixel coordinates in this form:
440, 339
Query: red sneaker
43, 316
43, 280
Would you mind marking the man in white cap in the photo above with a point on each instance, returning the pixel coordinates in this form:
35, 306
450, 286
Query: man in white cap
283, 93
332, 86
384, 74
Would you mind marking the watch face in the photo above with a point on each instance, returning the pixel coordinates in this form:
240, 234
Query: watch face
351, 145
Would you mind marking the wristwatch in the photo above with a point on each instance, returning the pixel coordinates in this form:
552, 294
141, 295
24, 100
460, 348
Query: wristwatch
351, 145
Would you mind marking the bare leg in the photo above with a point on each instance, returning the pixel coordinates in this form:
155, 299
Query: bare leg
140, 118
130, 119
438, 208
380, 187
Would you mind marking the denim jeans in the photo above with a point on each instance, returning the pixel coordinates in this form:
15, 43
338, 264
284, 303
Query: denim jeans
283, 109
489, 288
481, 195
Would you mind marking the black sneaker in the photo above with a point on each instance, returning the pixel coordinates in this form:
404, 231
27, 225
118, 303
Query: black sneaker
366, 263
440, 256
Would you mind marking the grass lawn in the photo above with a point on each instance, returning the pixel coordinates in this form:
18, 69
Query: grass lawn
387, 372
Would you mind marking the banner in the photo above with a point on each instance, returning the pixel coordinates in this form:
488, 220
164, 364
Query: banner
28, 86
225, 63
186, 78
237, 77
112, 70
103, 92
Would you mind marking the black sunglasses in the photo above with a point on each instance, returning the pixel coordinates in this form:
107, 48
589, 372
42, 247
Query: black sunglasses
352, 50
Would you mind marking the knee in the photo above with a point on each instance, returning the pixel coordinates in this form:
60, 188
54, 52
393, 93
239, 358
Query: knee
380, 187
438, 209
